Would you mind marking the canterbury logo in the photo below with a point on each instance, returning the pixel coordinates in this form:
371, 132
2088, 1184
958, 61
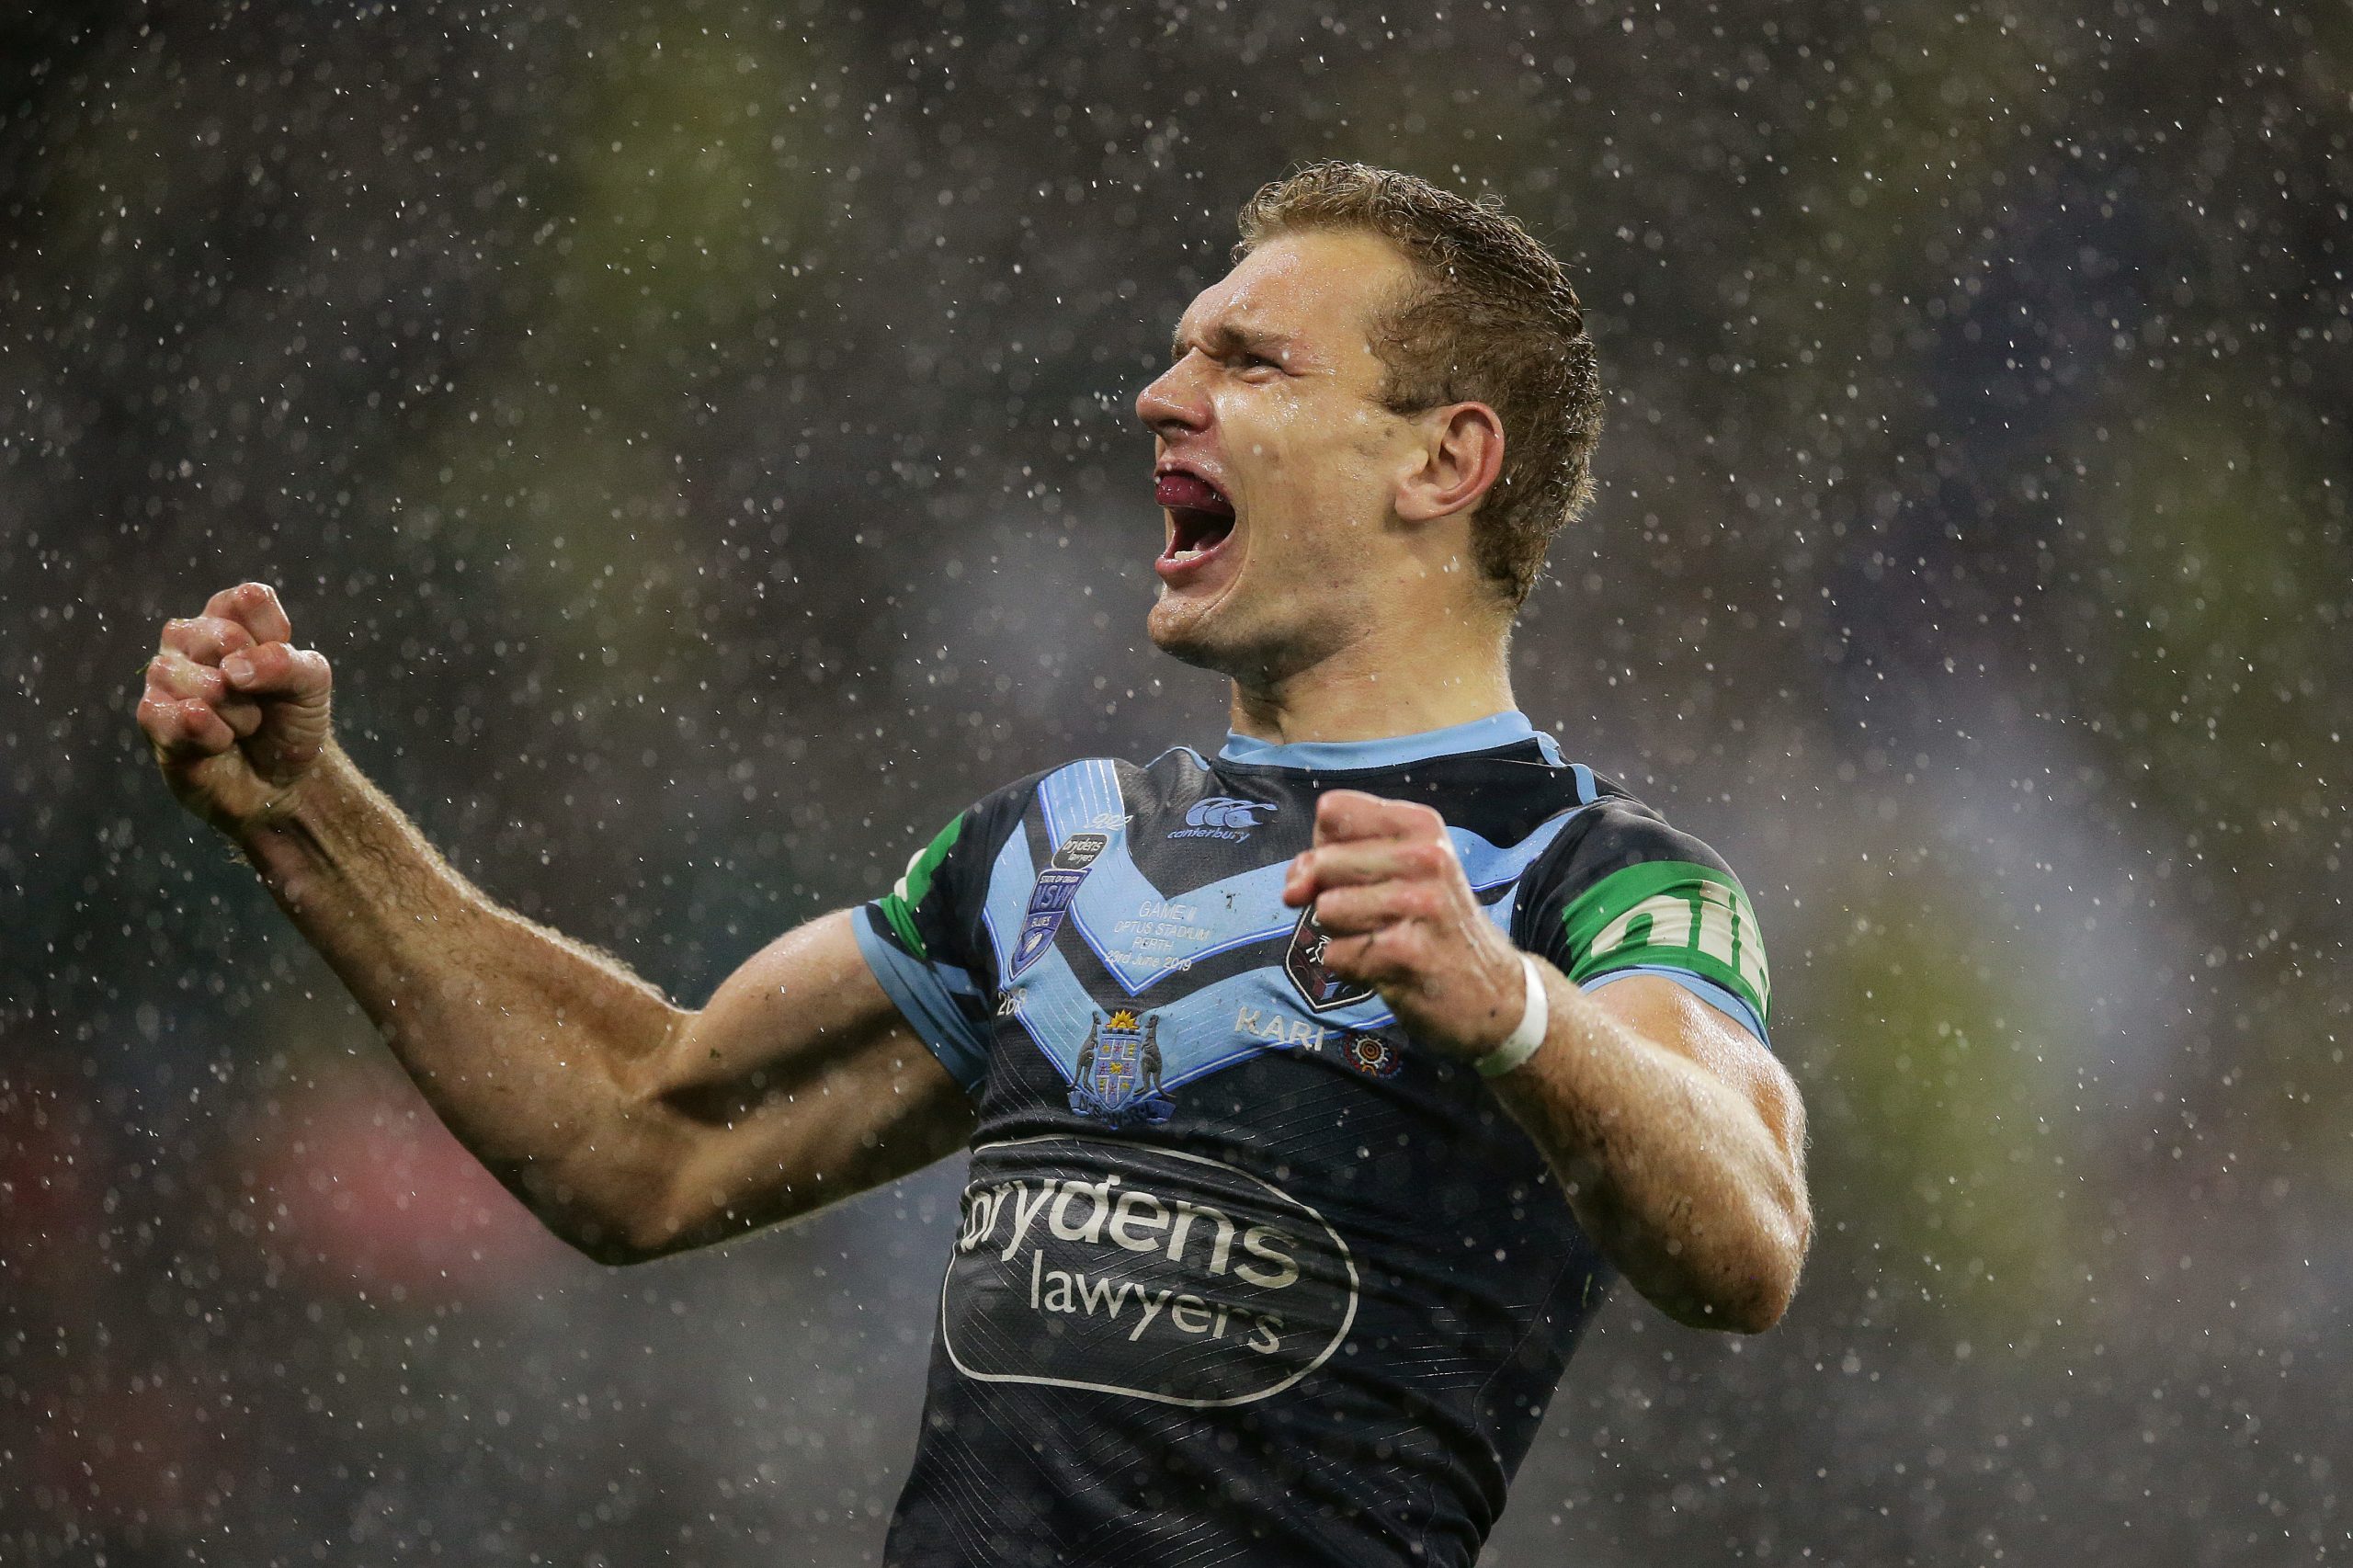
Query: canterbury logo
1223, 811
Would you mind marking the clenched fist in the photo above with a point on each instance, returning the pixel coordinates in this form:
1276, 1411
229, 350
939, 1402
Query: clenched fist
1388, 891
236, 714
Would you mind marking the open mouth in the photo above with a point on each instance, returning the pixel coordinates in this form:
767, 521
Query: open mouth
1202, 518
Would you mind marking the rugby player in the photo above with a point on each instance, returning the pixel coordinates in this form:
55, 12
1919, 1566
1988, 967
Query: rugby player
1316, 1090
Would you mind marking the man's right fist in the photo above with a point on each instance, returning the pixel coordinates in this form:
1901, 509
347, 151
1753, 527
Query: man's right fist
235, 712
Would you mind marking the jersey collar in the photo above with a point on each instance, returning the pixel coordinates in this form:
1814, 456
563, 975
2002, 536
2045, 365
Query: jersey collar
1388, 751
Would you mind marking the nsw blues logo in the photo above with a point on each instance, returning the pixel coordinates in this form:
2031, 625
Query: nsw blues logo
1118, 1079
1223, 816
1050, 899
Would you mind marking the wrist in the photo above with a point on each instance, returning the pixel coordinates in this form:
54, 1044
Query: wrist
291, 822
1527, 1036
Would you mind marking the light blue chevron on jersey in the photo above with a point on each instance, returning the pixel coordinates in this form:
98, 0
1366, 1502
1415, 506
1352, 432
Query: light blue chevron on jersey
1203, 1029
1196, 1033
1126, 920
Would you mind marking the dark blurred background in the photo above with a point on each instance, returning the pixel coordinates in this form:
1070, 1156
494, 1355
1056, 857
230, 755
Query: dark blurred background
700, 436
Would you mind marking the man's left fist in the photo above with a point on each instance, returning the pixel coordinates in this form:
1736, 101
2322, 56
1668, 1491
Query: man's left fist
1388, 891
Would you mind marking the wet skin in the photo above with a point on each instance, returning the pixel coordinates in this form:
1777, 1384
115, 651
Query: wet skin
1273, 400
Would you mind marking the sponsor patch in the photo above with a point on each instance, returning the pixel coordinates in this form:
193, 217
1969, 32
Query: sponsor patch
1671, 915
1118, 1077
1304, 961
1129, 1270
1049, 898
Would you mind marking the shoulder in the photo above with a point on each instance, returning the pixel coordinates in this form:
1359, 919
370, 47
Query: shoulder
1629, 894
1099, 792
1615, 850
1616, 831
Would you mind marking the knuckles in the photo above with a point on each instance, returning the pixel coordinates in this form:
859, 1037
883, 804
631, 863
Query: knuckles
179, 726
175, 676
206, 637
1430, 858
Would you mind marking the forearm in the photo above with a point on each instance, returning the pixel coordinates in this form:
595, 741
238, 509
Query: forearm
522, 1040
1680, 1141
1669, 1168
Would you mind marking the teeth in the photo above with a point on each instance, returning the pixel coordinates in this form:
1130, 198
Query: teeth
1189, 554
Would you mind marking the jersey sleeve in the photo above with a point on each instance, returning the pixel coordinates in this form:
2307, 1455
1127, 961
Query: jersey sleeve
925, 940
1629, 895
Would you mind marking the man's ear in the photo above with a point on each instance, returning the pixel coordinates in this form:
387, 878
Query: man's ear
1462, 453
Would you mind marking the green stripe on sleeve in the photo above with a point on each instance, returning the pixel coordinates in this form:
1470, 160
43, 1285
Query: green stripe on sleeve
1670, 913
898, 903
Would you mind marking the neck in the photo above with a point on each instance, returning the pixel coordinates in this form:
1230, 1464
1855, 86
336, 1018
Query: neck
1379, 686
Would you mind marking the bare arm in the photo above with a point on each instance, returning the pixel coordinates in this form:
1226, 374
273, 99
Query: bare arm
1680, 1142
630, 1126
1678, 1138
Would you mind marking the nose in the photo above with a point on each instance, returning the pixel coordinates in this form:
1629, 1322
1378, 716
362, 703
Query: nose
1175, 403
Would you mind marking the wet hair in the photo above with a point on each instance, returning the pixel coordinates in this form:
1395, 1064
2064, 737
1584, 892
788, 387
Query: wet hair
1492, 319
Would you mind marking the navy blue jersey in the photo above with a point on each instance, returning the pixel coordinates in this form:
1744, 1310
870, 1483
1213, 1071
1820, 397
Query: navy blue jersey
1245, 1274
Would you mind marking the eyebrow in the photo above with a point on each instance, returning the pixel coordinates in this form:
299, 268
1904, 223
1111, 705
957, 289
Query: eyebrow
1225, 338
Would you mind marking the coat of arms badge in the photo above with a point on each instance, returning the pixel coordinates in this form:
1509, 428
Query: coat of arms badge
1118, 1078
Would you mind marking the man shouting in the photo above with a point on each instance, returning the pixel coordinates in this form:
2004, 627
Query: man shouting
1314, 1090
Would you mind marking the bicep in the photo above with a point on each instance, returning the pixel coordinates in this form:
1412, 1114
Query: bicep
1714, 1040
807, 997
799, 1083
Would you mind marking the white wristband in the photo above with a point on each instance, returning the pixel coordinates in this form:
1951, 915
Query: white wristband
1521, 1043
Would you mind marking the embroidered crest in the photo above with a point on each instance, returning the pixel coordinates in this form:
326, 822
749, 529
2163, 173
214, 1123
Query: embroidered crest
1118, 1079
1049, 898
1371, 1055
1304, 963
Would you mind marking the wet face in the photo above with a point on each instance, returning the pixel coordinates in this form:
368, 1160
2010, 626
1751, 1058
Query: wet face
1275, 463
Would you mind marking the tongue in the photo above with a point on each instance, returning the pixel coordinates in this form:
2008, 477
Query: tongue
1184, 493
